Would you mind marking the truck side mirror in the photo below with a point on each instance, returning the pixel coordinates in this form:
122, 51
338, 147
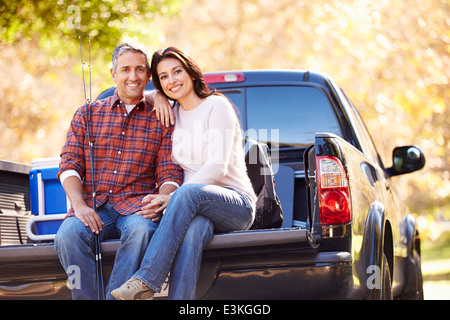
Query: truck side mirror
406, 159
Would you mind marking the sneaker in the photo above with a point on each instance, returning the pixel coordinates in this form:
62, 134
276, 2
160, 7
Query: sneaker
133, 289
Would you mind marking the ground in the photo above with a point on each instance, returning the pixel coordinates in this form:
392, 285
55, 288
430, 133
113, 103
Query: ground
436, 268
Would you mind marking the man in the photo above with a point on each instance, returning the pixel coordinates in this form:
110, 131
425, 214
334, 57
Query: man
132, 159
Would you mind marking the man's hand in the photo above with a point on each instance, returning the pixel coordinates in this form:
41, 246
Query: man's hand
154, 206
89, 218
74, 190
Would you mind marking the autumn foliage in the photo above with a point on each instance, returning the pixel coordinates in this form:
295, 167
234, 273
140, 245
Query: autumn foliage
391, 57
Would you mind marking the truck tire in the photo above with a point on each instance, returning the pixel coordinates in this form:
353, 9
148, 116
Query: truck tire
414, 280
386, 288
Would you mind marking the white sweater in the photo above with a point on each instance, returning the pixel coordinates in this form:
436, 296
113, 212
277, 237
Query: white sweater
207, 144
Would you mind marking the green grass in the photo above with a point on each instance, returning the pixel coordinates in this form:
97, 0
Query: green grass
436, 267
436, 250
436, 259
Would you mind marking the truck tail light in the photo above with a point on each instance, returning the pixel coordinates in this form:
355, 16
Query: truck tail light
334, 195
224, 77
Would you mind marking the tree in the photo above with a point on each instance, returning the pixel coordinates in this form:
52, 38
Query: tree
40, 72
56, 24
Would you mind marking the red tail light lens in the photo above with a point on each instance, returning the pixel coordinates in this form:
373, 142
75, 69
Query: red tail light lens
334, 195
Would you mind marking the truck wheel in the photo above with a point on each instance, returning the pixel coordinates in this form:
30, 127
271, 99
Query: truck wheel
386, 289
418, 265
414, 286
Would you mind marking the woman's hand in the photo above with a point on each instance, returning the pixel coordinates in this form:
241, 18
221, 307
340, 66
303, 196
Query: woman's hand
154, 206
163, 109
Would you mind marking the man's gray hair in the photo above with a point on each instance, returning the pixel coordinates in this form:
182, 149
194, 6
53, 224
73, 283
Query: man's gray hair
129, 46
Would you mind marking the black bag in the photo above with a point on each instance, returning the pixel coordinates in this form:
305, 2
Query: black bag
269, 213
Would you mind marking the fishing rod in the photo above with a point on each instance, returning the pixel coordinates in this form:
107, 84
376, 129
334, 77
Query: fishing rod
87, 103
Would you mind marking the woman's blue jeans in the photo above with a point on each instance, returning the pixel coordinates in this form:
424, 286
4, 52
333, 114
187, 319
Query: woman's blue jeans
194, 212
74, 243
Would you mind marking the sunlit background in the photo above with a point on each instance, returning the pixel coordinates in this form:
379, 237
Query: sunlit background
391, 57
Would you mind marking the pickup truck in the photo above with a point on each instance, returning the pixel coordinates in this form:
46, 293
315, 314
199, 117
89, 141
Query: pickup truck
346, 234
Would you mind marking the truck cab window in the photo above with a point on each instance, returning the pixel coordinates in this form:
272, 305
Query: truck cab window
297, 112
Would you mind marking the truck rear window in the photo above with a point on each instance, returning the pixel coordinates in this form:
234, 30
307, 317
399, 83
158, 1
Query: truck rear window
297, 112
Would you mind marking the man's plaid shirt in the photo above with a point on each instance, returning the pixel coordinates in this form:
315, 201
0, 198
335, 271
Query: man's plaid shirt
132, 154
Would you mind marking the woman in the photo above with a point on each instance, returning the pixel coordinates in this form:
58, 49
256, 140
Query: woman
216, 193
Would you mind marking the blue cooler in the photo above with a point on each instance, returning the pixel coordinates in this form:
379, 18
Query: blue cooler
49, 203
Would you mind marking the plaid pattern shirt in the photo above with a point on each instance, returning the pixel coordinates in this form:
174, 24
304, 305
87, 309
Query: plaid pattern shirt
132, 154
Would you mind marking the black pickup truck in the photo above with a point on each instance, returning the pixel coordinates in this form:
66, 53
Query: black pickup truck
345, 235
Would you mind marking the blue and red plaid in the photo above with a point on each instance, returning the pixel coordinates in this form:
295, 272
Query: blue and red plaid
132, 154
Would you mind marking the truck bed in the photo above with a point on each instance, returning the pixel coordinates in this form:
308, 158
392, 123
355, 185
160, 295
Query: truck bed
47, 279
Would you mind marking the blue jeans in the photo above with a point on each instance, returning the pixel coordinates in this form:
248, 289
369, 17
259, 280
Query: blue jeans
74, 244
193, 213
